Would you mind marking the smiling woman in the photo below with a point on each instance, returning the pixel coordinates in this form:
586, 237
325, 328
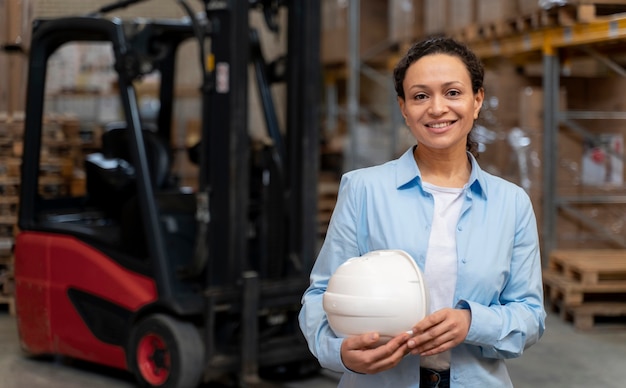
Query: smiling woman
486, 297
440, 106
440, 96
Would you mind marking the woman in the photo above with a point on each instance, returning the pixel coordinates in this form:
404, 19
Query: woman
473, 235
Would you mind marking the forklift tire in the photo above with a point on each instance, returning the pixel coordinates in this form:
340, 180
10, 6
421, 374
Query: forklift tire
165, 352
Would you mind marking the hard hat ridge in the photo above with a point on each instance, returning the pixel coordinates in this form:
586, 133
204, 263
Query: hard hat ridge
382, 291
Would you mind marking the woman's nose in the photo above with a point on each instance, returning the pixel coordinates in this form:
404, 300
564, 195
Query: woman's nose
438, 106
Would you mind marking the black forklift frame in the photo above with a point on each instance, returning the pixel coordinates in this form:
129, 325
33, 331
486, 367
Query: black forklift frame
226, 152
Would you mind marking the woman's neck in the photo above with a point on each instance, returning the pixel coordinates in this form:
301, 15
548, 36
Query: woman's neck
441, 168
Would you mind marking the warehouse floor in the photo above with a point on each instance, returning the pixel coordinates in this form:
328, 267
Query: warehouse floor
565, 357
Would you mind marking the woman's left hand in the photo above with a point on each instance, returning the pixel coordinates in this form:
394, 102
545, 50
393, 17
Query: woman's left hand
440, 331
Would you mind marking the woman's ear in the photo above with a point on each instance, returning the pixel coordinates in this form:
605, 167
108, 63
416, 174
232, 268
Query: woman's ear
479, 97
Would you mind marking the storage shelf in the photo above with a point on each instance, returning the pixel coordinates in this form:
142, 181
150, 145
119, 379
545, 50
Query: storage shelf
547, 44
547, 40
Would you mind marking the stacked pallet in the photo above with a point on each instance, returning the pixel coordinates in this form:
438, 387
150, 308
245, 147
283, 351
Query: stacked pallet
61, 155
586, 286
10, 132
328, 188
6, 289
573, 12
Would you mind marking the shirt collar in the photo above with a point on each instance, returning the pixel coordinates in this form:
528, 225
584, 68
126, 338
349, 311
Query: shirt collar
409, 174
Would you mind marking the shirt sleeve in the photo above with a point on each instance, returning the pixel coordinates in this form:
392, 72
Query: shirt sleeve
517, 321
339, 245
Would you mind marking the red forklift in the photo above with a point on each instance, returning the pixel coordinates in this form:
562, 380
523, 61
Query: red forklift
179, 287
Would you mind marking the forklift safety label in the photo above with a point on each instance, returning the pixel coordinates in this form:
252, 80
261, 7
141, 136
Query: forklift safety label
221, 77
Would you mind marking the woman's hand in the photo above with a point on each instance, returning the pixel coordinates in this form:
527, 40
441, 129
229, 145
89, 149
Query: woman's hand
440, 331
365, 354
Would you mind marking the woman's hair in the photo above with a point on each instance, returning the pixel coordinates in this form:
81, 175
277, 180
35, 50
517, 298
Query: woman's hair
448, 46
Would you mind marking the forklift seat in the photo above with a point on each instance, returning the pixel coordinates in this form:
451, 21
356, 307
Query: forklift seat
115, 145
111, 176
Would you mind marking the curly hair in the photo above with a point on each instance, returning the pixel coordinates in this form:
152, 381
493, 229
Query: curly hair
448, 46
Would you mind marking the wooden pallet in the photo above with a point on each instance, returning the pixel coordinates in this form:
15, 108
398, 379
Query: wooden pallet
7, 279
327, 198
582, 285
586, 11
9, 205
9, 186
590, 266
585, 316
6, 249
504, 28
562, 292
582, 11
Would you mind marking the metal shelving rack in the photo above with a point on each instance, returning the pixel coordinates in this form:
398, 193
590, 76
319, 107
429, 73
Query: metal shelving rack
546, 44
356, 66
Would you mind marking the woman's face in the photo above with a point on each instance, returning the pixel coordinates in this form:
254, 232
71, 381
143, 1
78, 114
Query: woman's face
439, 105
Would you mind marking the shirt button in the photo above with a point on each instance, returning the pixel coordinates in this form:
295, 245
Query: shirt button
460, 228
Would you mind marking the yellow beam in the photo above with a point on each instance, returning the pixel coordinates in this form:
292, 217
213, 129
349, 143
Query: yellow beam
547, 40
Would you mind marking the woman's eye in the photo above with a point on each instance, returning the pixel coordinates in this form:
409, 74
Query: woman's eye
454, 93
420, 96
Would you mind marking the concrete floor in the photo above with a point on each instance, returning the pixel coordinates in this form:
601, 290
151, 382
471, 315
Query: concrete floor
563, 358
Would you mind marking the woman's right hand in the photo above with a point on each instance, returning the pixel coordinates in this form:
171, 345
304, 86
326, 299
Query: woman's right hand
365, 354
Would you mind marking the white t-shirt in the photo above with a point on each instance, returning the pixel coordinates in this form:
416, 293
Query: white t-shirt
441, 258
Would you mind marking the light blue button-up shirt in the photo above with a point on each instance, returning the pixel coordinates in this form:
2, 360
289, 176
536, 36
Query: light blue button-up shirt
499, 268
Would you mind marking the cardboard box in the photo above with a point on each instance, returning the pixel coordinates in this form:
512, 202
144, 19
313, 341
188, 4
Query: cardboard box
588, 94
17, 82
4, 71
374, 28
406, 20
528, 7
15, 18
435, 17
461, 13
489, 11
4, 83
4, 29
530, 112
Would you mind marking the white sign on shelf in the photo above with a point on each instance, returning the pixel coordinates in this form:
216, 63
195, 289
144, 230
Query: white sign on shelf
603, 161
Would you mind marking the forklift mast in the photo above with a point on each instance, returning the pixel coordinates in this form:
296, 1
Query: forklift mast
230, 259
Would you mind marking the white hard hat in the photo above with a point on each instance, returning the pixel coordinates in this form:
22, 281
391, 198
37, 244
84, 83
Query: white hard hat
382, 291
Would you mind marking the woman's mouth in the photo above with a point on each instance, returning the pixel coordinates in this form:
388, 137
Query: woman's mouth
440, 125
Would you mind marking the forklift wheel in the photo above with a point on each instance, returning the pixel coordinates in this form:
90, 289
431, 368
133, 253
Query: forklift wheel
165, 352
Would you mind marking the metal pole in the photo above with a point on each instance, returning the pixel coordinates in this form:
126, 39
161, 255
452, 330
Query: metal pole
250, 333
303, 129
354, 11
550, 149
